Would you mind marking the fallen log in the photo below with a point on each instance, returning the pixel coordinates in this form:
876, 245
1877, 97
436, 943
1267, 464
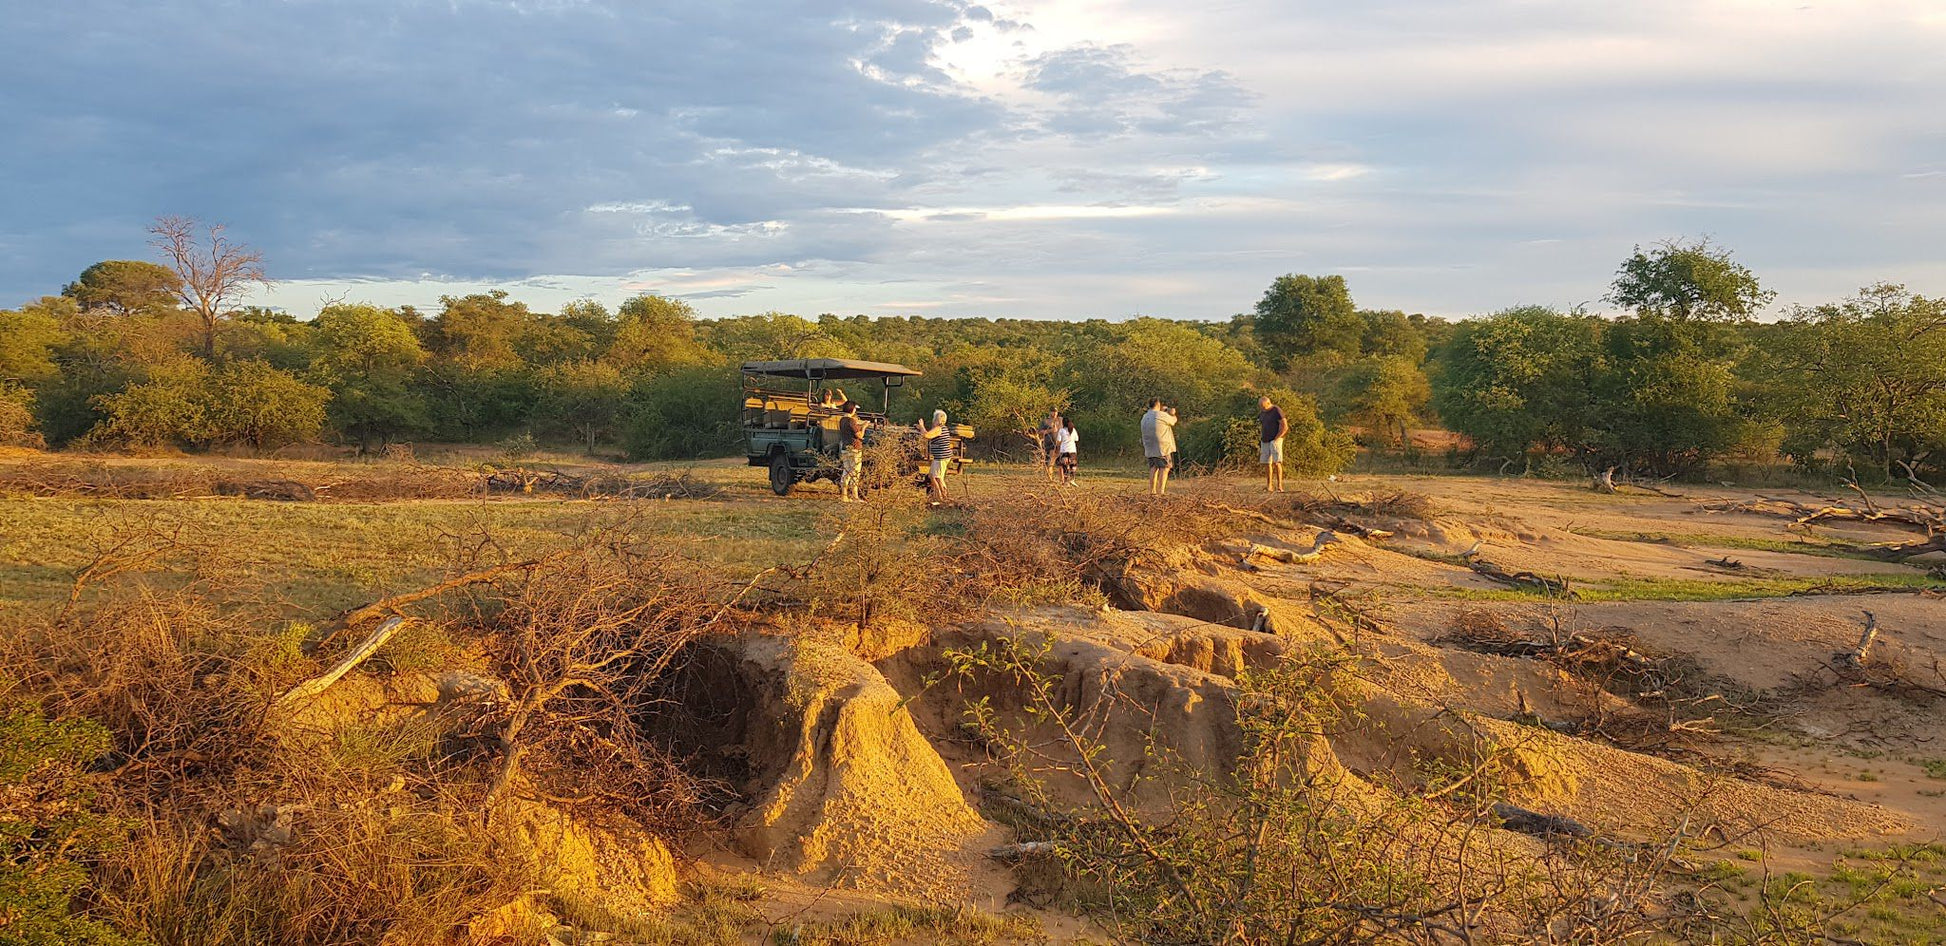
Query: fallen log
1323, 543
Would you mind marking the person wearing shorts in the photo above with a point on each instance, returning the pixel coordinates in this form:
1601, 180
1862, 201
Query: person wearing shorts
1050, 431
1159, 444
851, 453
1270, 453
939, 449
1067, 444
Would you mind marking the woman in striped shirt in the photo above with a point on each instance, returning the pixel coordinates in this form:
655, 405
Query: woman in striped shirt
939, 447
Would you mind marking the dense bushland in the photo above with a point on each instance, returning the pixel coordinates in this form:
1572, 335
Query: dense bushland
1687, 377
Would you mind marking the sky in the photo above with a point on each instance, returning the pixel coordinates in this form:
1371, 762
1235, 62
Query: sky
1066, 159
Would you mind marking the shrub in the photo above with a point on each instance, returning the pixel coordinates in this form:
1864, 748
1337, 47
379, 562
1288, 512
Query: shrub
185, 404
1229, 441
685, 414
17, 425
47, 822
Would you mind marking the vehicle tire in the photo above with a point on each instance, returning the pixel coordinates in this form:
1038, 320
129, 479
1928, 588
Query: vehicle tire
781, 477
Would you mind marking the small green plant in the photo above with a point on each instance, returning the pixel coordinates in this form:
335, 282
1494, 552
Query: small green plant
47, 824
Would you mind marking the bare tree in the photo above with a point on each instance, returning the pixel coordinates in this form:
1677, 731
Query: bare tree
215, 272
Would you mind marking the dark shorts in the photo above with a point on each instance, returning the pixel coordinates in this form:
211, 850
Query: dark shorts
1067, 461
1160, 463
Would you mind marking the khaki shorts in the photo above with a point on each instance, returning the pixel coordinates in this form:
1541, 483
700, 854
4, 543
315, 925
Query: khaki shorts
851, 462
939, 469
1272, 452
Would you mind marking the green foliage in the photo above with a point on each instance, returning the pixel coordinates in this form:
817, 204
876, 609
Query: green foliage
1384, 394
27, 343
1112, 379
252, 403
478, 333
585, 399
1309, 315
1685, 281
186, 404
1002, 392
1865, 377
1520, 379
18, 428
656, 334
47, 825
771, 336
1664, 399
369, 357
124, 287
684, 415
1229, 439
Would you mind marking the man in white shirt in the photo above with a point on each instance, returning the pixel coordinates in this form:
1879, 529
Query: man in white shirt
1159, 444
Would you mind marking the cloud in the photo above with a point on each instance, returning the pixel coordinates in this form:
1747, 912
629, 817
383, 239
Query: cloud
1091, 157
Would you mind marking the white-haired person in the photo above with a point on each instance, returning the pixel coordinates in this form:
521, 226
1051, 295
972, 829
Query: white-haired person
939, 448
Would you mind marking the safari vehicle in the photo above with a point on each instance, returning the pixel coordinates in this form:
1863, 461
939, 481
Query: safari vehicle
786, 429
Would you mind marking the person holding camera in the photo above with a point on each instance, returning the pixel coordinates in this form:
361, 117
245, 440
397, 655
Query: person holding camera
1159, 444
938, 440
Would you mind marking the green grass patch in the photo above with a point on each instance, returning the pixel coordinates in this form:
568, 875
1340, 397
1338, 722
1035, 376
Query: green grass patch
914, 924
1695, 589
1690, 540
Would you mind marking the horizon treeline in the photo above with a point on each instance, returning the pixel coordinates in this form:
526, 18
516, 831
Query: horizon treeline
131, 355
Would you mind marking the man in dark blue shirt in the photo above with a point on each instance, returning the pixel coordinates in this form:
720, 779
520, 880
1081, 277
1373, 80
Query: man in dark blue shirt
1271, 446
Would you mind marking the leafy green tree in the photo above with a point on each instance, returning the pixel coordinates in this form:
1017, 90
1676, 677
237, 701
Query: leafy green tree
122, 287
1301, 316
769, 337
50, 827
585, 398
1391, 333
252, 403
188, 404
1004, 393
685, 414
1384, 394
368, 357
655, 334
170, 408
1866, 377
256, 333
1112, 378
592, 321
1521, 379
28, 338
478, 332
1685, 281
18, 427
1227, 437
1665, 401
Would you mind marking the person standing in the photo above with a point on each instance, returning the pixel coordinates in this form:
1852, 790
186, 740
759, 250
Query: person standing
939, 448
851, 453
1159, 444
1271, 451
1049, 432
1067, 444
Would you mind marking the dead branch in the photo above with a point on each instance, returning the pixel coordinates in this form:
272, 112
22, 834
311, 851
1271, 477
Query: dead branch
1854, 658
350, 661
1323, 543
1555, 587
